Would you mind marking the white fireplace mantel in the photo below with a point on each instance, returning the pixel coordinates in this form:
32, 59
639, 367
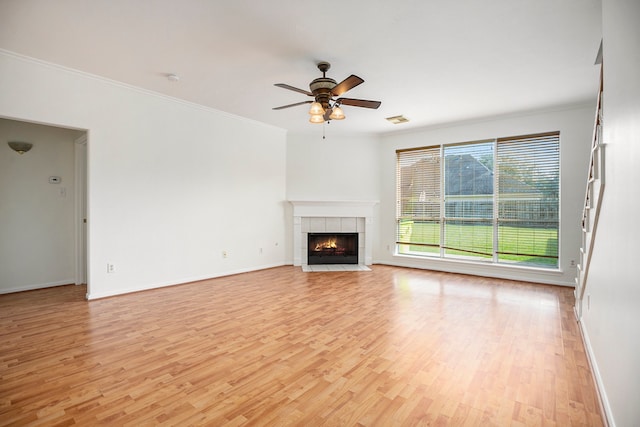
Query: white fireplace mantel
332, 209
315, 208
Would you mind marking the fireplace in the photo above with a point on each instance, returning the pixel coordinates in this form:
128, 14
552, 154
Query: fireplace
332, 217
332, 248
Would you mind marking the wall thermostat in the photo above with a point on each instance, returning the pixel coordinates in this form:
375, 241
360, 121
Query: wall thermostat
55, 180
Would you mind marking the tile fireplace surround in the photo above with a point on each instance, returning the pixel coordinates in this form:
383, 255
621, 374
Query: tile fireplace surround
333, 217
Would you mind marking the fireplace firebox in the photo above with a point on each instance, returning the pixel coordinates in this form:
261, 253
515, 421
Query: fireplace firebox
332, 248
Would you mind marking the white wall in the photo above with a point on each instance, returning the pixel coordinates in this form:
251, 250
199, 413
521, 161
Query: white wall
337, 168
340, 167
36, 217
575, 125
171, 185
611, 325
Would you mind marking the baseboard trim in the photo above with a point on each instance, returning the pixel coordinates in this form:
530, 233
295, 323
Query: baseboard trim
37, 286
603, 400
93, 295
522, 274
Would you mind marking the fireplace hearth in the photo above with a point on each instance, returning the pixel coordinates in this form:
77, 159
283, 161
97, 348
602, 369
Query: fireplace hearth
332, 248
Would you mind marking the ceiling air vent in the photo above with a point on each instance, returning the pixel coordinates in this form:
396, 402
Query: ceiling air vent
397, 119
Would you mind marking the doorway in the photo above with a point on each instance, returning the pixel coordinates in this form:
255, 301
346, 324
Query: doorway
44, 205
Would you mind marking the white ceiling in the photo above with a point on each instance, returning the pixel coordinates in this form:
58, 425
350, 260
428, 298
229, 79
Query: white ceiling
433, 61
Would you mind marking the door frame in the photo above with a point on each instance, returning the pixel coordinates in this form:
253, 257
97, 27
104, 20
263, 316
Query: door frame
81, 235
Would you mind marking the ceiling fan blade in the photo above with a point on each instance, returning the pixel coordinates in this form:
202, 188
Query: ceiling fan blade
295, 89
291, 105
347, 84
359, 102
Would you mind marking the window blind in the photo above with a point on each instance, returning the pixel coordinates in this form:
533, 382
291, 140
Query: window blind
495, 200
528, 198
418, 200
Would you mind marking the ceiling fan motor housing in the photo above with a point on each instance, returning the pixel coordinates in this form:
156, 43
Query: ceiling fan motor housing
321, 89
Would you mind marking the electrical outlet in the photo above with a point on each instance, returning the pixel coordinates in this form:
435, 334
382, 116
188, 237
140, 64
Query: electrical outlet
224, 254
111, 268
572, 263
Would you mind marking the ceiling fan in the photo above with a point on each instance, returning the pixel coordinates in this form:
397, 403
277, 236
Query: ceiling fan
324, 89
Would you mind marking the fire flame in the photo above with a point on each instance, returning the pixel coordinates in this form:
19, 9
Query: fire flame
328, 244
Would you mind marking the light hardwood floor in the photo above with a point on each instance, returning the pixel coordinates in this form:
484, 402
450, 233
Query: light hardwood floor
280, 347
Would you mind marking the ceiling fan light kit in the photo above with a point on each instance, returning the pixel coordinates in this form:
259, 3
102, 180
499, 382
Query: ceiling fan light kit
316, 119
337, 114
324, 90
316, 108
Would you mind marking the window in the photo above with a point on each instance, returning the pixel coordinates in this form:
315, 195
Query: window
495, 201
468, 200
528, 199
